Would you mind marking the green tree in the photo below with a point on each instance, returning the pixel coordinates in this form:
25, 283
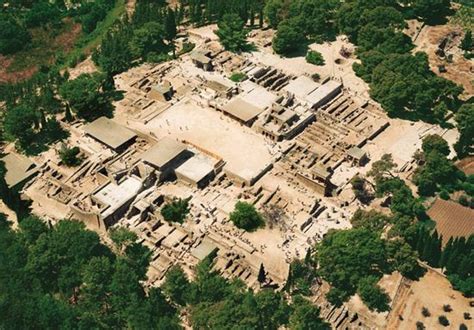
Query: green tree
114, 54
360, 190
122, 237
246, 217
276, 11
272, 309
42, 13
431, 11
32, 228
176, 211
372, 220
402, 257
262, 276
232, 33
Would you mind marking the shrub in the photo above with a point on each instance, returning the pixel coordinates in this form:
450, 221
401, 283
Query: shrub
314, 57
316, 77
443, 320
425, 312
420, 325
176, 211
447, 308
462, 326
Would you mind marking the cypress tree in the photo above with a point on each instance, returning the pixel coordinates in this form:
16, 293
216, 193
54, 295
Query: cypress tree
261, 275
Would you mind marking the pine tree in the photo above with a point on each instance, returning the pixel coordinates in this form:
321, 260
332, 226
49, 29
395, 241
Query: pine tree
467, 43
68, 114
307, 258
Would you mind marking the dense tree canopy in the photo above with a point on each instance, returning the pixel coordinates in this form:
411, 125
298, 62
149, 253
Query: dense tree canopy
13, 36
347, 257
63, 277
86, 96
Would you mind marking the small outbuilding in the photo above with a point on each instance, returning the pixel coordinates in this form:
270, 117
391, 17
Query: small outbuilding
161, 92
201, 60
111, 134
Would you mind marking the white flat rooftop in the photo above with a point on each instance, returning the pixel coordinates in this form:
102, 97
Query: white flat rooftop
116, 195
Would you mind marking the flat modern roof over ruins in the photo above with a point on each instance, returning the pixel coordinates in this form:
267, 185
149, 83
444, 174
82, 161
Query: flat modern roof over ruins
323, 93
301, 86
196, 168
163, 152
19, 169
109, 132
242, 110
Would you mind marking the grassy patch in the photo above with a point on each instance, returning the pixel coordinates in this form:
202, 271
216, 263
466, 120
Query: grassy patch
46, 44
66, 46
238, 76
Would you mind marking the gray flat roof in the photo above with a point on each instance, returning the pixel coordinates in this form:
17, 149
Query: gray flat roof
320, 171
196, 168
163, 152
242, 110
109, 132
19, 168
356, 152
